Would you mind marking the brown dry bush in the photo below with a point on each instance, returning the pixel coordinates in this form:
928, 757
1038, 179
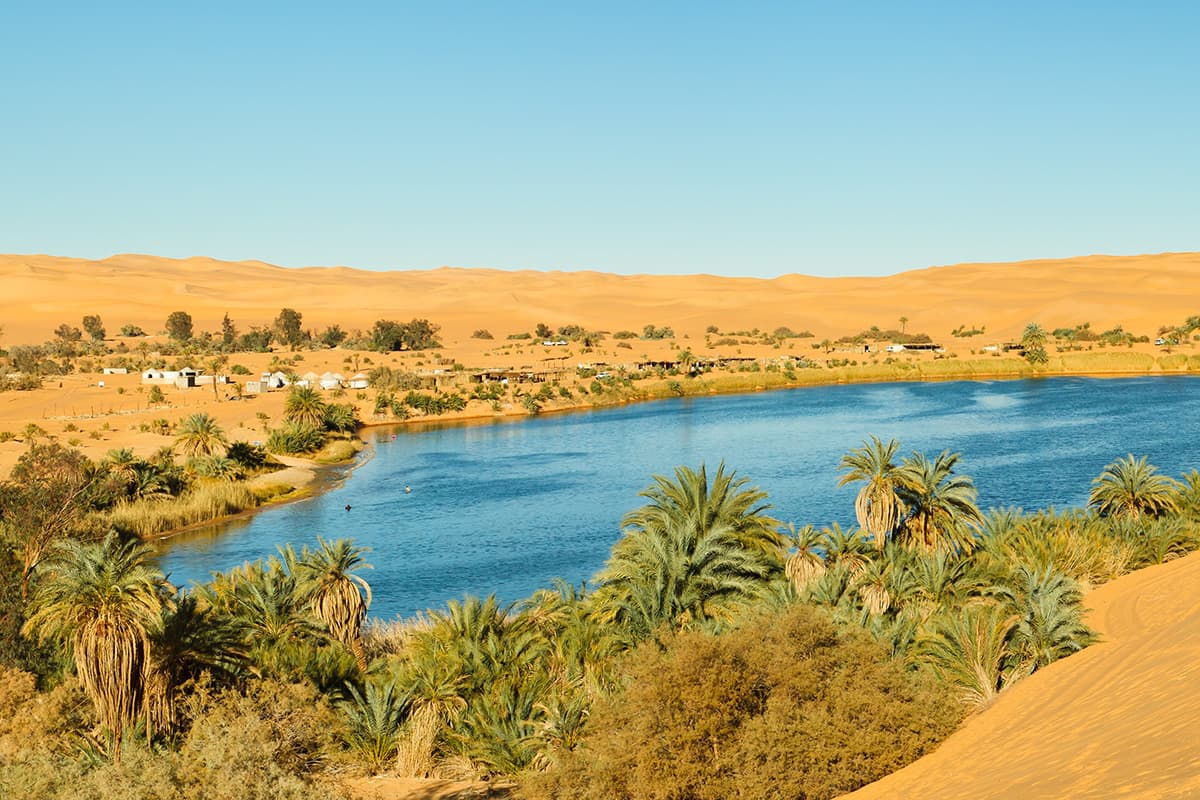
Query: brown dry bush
784, 707
267, 744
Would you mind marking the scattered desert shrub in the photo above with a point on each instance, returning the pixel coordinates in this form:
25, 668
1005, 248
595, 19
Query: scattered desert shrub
482, 333
783, 707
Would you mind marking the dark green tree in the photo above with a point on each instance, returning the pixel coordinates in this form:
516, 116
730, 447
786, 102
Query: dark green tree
179, 326
288, 327
228, 332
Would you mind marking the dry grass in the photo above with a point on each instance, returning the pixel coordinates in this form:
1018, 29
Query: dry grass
1104, 361
204, 502
338, 451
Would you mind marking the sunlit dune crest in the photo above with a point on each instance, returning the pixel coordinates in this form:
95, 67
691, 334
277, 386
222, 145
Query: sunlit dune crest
1139, 292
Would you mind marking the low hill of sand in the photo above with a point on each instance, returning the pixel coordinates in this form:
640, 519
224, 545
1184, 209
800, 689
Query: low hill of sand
1139, 292
1117, 720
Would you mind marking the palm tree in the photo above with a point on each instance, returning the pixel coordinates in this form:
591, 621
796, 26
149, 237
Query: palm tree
1048, 606
692, 554
191, 638
264, 601
340, 417
806, 563
200, 435
373, 722
877, 507
122, 464
1129, 487
843, 548
103, 599
969, 648
941, 505
335, 592
305, 406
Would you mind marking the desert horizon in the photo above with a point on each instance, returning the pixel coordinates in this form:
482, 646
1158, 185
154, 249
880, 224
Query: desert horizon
1139, 292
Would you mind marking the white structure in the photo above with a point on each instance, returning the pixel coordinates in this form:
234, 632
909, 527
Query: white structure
155, 376
308, 379
359, 381
185, 378
894, 348
274, 380
115, 371
332, 380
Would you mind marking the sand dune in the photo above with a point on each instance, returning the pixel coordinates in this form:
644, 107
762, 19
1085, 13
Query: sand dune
1117, 720
1140, 292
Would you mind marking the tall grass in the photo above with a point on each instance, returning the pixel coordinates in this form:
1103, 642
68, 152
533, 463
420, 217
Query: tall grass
203, 502
1107, 361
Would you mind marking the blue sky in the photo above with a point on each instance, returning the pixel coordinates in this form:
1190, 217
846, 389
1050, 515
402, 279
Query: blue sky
845, 138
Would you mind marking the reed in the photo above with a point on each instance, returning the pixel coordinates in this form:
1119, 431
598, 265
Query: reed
203, 502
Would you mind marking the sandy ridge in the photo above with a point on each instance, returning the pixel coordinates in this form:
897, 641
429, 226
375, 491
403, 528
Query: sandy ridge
1140, 292
1117, 720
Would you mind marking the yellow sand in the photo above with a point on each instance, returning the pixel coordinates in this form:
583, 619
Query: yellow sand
1117, 720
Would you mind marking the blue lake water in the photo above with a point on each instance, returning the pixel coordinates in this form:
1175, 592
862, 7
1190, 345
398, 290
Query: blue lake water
506, 507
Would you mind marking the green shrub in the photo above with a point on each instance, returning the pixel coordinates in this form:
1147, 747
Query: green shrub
293, 438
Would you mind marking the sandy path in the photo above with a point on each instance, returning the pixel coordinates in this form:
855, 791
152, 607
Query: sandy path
1117, 720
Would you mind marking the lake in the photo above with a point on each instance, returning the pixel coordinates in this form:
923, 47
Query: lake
505, 507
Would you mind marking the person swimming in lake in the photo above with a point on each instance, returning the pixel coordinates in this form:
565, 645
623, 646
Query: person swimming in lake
408, 490
347, 506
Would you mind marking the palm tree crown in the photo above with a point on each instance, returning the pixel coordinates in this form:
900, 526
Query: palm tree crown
305, 406
328, 580
941, 505
877, 506
1130, 487
200, 435
692, 553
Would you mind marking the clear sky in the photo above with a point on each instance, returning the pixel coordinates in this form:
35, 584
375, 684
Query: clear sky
830, 138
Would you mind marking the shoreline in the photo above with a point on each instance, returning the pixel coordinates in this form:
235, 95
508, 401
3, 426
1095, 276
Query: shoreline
318, 486
659, 390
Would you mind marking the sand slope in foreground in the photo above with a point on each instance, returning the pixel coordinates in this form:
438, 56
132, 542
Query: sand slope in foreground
1119, 720
1140, 292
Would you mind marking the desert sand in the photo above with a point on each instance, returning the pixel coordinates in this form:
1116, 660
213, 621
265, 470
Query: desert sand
1116, 720
1140, 292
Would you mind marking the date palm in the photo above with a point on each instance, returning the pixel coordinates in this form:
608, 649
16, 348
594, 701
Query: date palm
941, 510
200, 435
1132, 488
190, 639
805, 563
693, 553
1049, 610
877, 506
102, 599
338, 596
305, 406
968, 648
